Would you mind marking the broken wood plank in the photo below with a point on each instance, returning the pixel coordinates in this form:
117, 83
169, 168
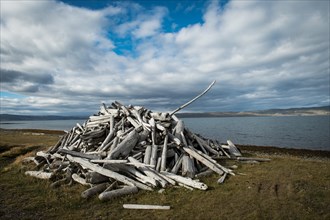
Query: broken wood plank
139, 206
233, 149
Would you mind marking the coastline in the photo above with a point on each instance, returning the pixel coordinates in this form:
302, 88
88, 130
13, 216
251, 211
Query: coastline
269, 150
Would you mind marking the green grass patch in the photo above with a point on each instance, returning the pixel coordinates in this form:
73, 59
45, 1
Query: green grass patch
288, 187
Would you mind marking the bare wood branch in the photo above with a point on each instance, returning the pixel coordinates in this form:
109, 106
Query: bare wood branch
194, 99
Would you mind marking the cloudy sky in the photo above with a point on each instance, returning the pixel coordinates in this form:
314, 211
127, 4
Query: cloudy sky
67, 57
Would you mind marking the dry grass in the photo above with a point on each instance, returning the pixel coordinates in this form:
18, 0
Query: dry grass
288, 187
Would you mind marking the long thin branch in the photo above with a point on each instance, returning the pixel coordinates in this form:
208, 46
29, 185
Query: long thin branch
194, 99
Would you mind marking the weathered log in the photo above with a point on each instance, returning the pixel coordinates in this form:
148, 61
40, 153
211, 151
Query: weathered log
105, 196
188, 168
109, 136
113, 147
147, 155
139, 206
177, 165
39, 174
126, 145
164, 154
154, 148
159, 160
94, 190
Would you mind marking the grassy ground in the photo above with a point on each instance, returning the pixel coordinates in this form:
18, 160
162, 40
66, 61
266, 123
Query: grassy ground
291, 186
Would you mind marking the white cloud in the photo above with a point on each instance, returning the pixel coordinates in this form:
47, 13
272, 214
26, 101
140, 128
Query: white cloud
142, 23
263, 54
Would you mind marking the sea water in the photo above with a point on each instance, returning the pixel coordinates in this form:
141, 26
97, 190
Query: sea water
305, 132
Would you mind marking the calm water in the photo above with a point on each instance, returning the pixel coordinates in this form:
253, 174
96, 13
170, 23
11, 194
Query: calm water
309, 132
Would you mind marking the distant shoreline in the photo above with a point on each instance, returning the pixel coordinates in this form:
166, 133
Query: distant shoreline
7, 118
304, 111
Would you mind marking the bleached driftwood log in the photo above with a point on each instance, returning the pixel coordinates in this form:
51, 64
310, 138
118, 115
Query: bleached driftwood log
164, 154
126, 145
94, 190
39, 174
108, 195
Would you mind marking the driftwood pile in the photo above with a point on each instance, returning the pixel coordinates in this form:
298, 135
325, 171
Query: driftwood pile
134, 146
125, 148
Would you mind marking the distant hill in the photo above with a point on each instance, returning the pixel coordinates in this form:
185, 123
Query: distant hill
325, 110
9, 117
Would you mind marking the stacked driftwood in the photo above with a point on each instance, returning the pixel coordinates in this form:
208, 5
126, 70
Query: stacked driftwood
125, 148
